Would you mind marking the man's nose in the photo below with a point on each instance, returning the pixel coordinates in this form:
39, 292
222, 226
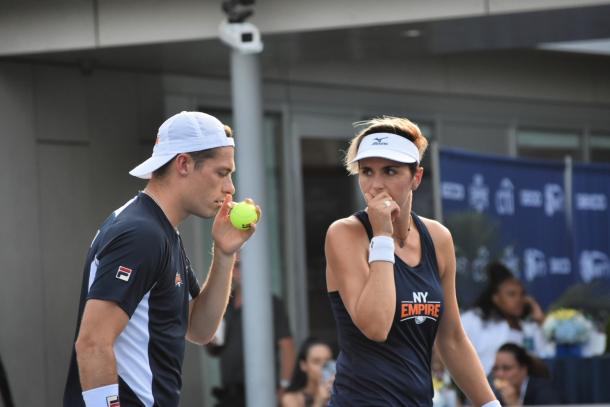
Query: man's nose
228, 187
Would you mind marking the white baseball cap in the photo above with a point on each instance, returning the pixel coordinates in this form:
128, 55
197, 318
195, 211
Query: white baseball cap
184, 132
387, 145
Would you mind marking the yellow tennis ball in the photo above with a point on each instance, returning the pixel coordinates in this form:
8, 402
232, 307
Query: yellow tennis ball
242, 215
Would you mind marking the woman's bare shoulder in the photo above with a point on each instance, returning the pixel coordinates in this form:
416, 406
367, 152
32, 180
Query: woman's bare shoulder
345, 224
438, 231
343, 228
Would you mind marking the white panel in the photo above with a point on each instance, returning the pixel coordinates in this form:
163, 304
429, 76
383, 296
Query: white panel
22, 340
43, 26
131, 350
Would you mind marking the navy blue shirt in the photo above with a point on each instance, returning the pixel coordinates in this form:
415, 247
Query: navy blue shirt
137, 261
396, 372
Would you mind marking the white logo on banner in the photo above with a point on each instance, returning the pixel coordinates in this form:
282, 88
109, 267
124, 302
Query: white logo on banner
478, 193
530, 198
553, 199
478, 265
511, 260
505, 198
591, 202
593, 264
534, 264
461, 264
453, 191
560, 265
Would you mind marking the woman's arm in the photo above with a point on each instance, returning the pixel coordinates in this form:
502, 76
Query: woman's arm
455, 348
367, 291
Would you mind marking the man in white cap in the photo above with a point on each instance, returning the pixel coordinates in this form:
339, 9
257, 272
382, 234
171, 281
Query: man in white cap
140, 298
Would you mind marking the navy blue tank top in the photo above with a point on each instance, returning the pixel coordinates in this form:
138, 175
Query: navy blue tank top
396, 372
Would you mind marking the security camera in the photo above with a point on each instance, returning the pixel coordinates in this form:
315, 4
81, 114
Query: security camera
243, 37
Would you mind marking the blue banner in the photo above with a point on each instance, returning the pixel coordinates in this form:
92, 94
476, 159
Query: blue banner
591, 221
512, 210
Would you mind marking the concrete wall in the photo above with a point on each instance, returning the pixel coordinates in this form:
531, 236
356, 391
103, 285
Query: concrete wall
37, 26
68, 140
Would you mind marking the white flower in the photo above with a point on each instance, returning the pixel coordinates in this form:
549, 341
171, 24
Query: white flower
567, 326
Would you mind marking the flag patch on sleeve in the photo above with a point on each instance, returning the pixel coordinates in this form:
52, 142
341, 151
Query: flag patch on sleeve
123, 273
113, 401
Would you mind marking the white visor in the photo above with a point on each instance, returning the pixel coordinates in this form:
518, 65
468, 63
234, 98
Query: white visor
387, 145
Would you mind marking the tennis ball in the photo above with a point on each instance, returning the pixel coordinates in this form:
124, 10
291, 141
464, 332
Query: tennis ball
242, 215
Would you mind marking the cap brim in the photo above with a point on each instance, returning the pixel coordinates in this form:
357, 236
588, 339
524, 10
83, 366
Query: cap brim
146, 169
387, 154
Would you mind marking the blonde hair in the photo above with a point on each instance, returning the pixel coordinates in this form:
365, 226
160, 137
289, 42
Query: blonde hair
385, 124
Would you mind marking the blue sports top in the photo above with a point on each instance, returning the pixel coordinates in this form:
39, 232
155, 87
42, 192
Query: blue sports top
396, 372
137, 261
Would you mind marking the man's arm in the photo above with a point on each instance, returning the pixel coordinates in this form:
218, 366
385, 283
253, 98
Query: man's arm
101, 324
208, 308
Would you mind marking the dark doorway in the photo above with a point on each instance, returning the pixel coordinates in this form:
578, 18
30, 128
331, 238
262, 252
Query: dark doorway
329, 195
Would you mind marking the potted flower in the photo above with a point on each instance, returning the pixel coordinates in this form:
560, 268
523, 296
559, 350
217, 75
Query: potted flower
568, 329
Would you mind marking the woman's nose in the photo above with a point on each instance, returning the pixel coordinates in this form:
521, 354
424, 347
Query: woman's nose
377, 184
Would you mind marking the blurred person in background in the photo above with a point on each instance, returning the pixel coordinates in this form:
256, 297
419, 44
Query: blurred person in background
521, 379
308, 386
504, 313
391, 282
227, 344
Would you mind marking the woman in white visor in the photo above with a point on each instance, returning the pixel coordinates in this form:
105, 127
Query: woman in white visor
391, 282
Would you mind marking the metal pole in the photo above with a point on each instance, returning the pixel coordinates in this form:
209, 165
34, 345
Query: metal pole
256, 311
568, 189
436, 182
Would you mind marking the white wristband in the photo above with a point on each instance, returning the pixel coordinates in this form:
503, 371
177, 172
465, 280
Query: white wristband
381, 249
105, 396
494, 403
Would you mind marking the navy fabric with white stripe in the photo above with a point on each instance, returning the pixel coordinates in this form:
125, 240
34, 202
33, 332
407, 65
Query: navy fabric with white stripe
137, 261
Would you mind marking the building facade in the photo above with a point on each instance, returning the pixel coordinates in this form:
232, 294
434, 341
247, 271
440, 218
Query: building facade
84, 86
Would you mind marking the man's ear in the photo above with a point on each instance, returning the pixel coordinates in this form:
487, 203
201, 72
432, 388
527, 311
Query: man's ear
183, 163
